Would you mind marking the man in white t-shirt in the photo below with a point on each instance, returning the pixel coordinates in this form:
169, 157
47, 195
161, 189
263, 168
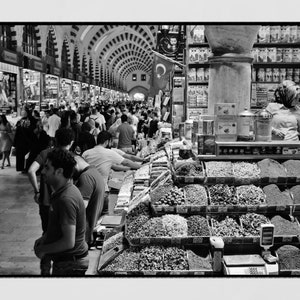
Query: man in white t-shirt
53, 123
105, 159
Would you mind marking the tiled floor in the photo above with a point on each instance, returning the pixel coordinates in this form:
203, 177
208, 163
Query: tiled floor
20, 226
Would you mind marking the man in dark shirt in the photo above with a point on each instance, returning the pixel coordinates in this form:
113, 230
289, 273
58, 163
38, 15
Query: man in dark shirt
153, 127
126, 135
92, 188
64, 240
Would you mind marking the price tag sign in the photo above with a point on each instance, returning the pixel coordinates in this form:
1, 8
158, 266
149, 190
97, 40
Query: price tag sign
221, 179
280, 208
188, 179
199, 272
266, 235
273, 179
169, 209
181, 210
297, 179
145, 241
251, 208
286, 239
149, 273
222, 209
121, 273
197, 240
195, 208
176, 241
228, 239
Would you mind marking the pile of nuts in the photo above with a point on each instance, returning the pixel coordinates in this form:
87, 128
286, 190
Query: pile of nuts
250, 195
271, 168
152, 258
135, 225
175, 225
197, 226
227, 227
289, 257
222, 194
161, 190
245, 170
218, 169
152, 228
275, 197
190, 169
141, 209
173, 197
195, 194
175, 259
128, 260
251, 223
292, 167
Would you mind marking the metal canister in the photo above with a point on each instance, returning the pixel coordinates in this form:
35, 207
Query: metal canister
245, 126
263, 128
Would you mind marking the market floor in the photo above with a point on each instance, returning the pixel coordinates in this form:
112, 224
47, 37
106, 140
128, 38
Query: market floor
20, 226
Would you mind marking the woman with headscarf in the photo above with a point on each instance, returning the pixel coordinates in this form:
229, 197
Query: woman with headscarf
285, 111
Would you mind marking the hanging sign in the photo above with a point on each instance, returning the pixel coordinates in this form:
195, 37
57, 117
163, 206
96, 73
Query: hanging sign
10, 57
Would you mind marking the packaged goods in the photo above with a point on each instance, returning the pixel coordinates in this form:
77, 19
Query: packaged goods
254, 52
222, 194
128, 260
271, 54
218, 169
262, 55
279, 54
289, 257
261, 75
295, 55
152, 258
275, 74
251, 223
293, 34
289, 73
192, 74
206, 74
174, 197
297, 75
245, 170
197, 226
285, 33
250, 195
282, 74
271, 168
197, 262
287, 55
200, 75
284, 226
227, 227
275, 197
195, 194
175, 259
264, 34
268, 75
295, 191
292, 167
175, 225
193, 55
275, 34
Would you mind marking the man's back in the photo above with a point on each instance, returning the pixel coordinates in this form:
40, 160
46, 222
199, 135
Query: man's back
126, 134
53, 122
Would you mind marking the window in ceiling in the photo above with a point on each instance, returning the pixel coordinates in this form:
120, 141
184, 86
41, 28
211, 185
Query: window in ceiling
64, 55
50, 46
134, 77
76, 60
30, 40
143, 77
5, 37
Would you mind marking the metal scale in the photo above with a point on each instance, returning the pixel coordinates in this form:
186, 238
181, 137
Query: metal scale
248, 264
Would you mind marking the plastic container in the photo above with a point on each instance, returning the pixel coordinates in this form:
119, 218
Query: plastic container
188, 129
245, 126
263, 128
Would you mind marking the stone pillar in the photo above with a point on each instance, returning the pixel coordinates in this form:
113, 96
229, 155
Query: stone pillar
230, 65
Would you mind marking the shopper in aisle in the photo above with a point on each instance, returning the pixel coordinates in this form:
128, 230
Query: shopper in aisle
63, 139
86, 140
5, 140
285, 111
125, 135
92, 187
100, 115
153, 125
23, 139
64, 242
54, 123
105, 159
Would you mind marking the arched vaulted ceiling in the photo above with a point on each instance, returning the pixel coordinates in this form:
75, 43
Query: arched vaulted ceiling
118, 49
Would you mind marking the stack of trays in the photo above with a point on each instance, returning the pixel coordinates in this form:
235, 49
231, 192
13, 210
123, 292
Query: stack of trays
125, 193
159, 166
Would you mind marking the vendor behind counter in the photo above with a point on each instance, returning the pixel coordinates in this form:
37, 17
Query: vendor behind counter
286, 112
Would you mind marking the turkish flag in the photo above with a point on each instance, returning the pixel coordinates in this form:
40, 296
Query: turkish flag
161, 70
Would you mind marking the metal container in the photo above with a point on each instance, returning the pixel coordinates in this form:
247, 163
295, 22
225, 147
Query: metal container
245, 126
188, 129
263, 128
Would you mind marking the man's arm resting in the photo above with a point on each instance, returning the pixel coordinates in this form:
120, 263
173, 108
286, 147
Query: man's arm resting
133, 157
130, 164
117, 168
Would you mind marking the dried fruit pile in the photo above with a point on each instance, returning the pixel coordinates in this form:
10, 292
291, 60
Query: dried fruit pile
222, 194
197, 226
160, 191
289, 257
245, 170
195, 194
134, 226
175, 259
250, 195
152, 258
152, 228
141, 209
173, 197
175, 225
128, 260
251, 223
218, 169
197, 262
190, 169
271, 168
275, 197
227, 227
285, 227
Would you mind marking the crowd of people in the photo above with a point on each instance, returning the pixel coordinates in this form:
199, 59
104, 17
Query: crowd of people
68, 154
